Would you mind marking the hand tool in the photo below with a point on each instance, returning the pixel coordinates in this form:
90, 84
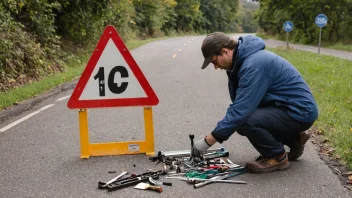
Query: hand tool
230, 161
222, 161
191, 136
145, 186
193, 180
213, 155
132, 180
163, 155
232, 174
153, 182
217, 166
195, 174
176, 174
102, 185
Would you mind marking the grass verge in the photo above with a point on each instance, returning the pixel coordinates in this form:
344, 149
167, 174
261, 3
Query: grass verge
335, 46
330, 81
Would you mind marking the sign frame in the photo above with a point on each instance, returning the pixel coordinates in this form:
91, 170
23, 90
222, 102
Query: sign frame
113, 148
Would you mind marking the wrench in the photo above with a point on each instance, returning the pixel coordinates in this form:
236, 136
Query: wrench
219, 178
214, 179
102, 185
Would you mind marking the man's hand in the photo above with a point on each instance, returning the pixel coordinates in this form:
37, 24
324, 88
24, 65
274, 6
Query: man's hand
199, 148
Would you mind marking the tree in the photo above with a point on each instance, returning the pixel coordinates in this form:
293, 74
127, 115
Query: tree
273, 13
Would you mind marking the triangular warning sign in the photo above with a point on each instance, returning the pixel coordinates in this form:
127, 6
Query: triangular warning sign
112, 78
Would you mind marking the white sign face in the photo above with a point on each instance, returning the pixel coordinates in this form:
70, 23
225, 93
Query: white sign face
112, 78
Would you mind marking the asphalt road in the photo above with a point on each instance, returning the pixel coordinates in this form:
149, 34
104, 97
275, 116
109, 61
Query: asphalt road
40, 156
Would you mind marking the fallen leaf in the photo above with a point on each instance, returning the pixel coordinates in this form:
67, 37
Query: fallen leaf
349, 179
347, 173
324, 152
11, 80
331, 150
332, 129
338, 171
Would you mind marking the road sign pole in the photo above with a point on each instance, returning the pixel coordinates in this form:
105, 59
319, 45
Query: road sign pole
288, 27
319, 41
321, 20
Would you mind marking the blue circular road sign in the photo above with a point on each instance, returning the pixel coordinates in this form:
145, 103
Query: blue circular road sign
288, 26
321, 20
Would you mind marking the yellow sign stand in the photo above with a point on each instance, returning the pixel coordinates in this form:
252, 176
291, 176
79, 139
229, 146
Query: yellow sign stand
116, 148
93, 90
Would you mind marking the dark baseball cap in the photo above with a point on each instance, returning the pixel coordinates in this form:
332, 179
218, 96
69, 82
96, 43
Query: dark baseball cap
212, 46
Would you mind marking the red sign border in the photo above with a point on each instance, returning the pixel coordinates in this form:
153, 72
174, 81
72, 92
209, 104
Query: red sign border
111, 33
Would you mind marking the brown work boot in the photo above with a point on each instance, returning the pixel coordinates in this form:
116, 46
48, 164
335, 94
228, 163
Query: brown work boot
267, 165
297, 146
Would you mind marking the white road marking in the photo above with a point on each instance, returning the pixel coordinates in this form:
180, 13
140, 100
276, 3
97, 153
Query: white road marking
46, 107
25, 118
174, 55
63, 98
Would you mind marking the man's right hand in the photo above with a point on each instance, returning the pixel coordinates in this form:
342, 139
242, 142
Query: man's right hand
199, 148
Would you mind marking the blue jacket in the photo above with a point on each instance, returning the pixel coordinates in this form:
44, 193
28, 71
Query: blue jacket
261, 78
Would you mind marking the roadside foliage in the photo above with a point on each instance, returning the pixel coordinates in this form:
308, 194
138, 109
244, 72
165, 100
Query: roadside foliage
273, 13
38, 37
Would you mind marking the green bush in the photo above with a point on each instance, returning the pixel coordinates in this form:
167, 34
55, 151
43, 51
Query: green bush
22, 58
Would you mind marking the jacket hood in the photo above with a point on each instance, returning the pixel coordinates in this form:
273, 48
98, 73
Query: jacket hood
248, 45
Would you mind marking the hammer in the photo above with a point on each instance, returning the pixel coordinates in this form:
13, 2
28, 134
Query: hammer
191, 136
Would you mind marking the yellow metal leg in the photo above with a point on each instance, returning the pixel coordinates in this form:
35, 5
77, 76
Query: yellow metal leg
149, 130
83, 129
117, 148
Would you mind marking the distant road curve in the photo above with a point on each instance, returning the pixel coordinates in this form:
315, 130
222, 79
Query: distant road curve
325, 51
337, 53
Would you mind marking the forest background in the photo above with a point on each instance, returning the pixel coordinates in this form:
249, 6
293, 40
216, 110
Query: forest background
39, 37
